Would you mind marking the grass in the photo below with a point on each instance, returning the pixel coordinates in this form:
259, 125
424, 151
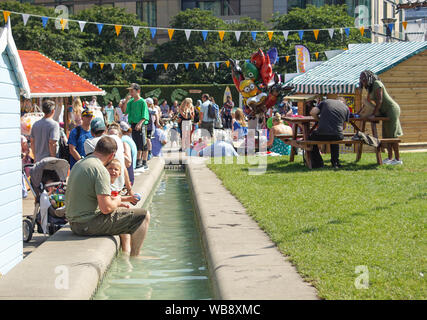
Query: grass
329, 221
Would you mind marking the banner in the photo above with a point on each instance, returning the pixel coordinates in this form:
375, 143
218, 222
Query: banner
302, 58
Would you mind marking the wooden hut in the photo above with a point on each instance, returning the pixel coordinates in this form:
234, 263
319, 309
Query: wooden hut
401, 67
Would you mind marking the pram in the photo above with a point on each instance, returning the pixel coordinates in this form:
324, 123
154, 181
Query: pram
55, 172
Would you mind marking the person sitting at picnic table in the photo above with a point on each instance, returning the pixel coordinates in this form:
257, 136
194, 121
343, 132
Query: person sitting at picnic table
331, 116
274, 143
91, 209
384, 106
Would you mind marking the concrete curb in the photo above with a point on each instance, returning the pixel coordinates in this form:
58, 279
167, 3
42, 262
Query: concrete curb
66, 266
244, 263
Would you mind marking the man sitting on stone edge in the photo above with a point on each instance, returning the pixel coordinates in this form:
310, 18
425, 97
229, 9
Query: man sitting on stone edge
90, 208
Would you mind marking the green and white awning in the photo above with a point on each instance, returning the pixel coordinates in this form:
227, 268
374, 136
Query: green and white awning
340, 74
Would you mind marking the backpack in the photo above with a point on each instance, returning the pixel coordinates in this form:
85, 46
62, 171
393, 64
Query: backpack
211, 111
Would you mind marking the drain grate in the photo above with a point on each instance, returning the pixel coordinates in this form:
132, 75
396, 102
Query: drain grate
175, 167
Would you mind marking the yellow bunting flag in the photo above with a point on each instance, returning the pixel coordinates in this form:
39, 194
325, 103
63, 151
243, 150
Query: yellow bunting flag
101, 65
133, 66
170, 32
404, 24
270, 35
63, 23
221, 34
317, 55
197, 65
316, 33
68, 64
166, 65
118, 28
227, 63
287, 58
6, 15
362, 30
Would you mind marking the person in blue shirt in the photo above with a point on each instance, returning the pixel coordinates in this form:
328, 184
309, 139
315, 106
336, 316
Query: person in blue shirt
78, 136
158, 141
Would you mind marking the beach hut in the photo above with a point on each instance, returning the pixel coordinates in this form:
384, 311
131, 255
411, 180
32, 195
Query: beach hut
13, 83
401, 67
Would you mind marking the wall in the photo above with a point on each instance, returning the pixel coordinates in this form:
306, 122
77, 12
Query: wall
11, 246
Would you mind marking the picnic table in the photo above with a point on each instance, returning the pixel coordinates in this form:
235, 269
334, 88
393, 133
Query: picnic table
304, 122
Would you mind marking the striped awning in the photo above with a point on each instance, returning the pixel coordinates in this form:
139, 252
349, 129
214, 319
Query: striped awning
340, 74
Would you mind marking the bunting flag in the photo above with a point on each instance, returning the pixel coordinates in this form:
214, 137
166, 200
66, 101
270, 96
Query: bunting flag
153, 32
6, 15
204, 34
82, 25
362, 30
187, 34
166, 66
404, 24
90, 65
316, 33
63, 23
118, 28
135, 30
227, 63
207, 65
80, 64
300, 33
285, 34
25, 18
221, 35
123, 66
186, 65
144, 65
217, 65
101, 65
237, 34
331, 33
134, 66
176, 65
68, 64
112, 65
316, 54
287, 58
44, 21
197, 65
100, 26
390, 26
347, 31
270, 35
155, 66
170, 32
253, 33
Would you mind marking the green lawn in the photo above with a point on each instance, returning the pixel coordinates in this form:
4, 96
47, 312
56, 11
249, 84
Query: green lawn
331, 221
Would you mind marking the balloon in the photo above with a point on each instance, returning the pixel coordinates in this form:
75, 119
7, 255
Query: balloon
270, 123
258, 58
267, 71
250, 71
273, 54
271, 100
248, 88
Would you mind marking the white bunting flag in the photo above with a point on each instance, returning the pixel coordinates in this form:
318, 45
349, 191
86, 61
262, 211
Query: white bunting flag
80, 64
341, 30
187, 34
285, 34
82, 25
331, 32
207, 65
112, 65
135, 30
238, 33
144, 65
176, 66
25, 18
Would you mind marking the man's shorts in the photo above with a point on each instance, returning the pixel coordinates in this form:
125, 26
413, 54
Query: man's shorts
208, 126
140, 137
121, 221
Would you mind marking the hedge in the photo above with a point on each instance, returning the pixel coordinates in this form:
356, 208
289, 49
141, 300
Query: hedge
173, 92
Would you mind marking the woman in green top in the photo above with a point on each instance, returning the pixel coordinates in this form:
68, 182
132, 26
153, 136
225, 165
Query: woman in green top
384, 106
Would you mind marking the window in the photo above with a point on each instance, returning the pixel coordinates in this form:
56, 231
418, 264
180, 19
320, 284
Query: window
218, 7
147, 11
385, 10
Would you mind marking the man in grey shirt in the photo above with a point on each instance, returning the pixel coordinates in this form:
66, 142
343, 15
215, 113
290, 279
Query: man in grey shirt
45, 133
205, 121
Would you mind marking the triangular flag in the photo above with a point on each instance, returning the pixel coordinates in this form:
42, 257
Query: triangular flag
347, 31
82, 25
165, 65
362, 30
63, 23
316, 33
300, 33
237, 34
187, 34
90, 65
197, 65
287, 58
118, 28
253, 33
155, 66
285, 34
153, 32
390, 26
341, 31
123, 66
58, 62
316, 54
135, 30
217, 65
227, 63
331, 33
221, 35
80, 64
6, 15
186, 65
44, 21
144, 65
404, 24
419, 22
170, 32
25, 17
133, 66
100, 26
176, 65
68, 64
101, 65
207, 65
270, 35
112, 65
204, 34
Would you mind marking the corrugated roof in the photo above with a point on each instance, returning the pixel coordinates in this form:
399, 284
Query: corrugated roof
341, 73
49, 79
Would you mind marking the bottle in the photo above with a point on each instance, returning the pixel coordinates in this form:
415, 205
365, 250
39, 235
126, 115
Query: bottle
138, 196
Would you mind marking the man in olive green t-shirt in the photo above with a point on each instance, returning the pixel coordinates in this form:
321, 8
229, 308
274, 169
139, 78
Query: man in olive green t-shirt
138, 116
90, 208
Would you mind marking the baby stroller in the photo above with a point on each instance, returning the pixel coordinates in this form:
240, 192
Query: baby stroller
49, 174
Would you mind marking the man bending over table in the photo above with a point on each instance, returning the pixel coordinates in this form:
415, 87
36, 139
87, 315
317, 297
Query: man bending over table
331, 116
91, 209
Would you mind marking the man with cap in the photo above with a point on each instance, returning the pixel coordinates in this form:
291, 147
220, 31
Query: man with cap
78, 136
137, 110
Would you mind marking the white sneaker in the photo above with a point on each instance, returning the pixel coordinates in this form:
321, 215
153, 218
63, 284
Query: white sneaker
393, 162
387, 161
